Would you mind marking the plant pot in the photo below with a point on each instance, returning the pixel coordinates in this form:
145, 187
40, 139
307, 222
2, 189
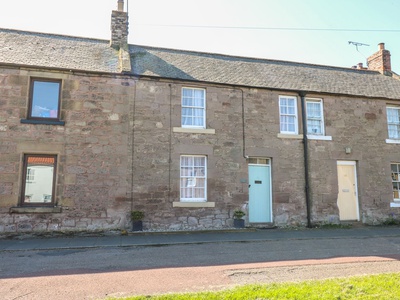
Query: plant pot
137, 226
238, 223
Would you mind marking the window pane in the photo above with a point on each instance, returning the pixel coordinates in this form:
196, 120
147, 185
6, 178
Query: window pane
393, 120
193, 178
395, 168
39, 179
288, 114
314, 117
45, 99
193, 107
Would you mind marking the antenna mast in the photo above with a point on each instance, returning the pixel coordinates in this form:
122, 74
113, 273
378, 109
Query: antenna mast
360, 44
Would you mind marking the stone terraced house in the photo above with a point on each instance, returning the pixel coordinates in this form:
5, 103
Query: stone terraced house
92, 129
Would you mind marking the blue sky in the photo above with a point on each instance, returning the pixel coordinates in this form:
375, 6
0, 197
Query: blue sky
311, 31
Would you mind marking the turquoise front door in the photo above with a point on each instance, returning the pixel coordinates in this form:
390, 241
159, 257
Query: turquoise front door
260, 194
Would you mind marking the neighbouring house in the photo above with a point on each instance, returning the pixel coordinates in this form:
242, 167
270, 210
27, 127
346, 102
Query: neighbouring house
92, 129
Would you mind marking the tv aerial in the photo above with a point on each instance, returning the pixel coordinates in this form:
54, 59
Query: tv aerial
357, 44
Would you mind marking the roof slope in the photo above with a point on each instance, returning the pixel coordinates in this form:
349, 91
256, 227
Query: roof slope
263, 73
75, 53
57, 51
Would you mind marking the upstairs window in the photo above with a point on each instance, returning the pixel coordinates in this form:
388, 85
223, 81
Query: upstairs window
315, 117
193, 108
288, 114
393, 121
38, 184
44, 99
193, 178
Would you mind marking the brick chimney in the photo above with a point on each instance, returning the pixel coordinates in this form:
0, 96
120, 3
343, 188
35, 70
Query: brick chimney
119, 27
380, 61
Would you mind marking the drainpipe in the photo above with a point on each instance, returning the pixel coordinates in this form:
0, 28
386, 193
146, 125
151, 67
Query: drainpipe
243, 126
133, 141
305, 143
170, 143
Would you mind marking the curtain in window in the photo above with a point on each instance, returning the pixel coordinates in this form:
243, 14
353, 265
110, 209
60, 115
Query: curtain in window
193, 178
193, 104
393, 117
314, 118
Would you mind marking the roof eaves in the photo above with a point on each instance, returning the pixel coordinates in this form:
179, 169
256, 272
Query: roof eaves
70, 70
306, 91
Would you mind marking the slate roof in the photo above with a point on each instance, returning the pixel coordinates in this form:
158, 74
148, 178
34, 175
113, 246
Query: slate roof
57, 51
74, 53
263, 73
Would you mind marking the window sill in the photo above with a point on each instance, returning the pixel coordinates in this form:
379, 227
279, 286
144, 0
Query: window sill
193, 204
35, 210
43, 122
193, 130
394, 204
392, 141
319, 137
290, 136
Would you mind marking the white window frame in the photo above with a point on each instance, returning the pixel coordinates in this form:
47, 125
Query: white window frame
395, 180
319, 119
203, 116
397, 137
30, 174
282, 115
188, 184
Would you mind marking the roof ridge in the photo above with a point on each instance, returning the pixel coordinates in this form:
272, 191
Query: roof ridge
19, 31
240, 57
252, 58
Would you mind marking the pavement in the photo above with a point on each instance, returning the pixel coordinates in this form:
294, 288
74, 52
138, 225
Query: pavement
138, 239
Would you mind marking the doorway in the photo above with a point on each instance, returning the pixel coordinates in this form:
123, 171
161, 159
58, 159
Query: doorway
348, 193
260, 206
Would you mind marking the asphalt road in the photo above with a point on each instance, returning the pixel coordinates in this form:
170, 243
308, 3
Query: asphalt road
97, 273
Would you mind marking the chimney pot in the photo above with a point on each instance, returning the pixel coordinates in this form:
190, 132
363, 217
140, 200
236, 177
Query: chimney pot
360, 66
120, 5
381, 46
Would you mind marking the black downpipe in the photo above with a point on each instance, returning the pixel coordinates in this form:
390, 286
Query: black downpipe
243, 127
170, 143
305, 143
133, 141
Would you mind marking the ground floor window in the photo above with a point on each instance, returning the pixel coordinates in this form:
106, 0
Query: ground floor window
396, 181
38, 183
193, 178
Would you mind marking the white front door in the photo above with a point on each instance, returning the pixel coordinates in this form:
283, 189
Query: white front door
348, 196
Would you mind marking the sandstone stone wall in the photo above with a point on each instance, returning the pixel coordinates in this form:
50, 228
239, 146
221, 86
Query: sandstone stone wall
361, 125
351, 122
92, 147
122, 140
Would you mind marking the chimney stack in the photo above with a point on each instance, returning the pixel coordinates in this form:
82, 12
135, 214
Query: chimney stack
119, 27
380, 61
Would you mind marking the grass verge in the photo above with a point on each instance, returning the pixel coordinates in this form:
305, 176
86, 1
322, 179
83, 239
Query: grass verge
383, 286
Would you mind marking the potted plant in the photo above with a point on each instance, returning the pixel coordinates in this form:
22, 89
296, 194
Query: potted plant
137, 217
238, 221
